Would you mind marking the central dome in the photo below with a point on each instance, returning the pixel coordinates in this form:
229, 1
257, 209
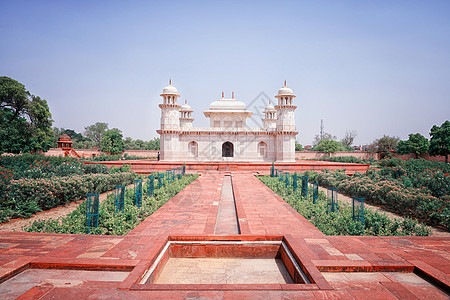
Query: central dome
228, 104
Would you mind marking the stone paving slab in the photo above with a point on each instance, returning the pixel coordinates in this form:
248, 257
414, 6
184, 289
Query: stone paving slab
260, 212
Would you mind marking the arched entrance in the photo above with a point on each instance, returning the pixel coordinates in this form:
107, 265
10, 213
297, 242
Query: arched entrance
227, 149
193, 149
262, 149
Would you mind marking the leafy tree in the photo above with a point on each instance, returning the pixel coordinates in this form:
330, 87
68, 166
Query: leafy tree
416, 144
325, 136
349, 137
153, 144
329, 146
440, 140
95, 132
74, 136
112, 142
385, 145
25, 119
131, 144
298, 146
17, 128
13, 97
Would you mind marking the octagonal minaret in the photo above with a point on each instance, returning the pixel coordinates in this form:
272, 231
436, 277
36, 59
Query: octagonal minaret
285, 128
170, 123
186, 116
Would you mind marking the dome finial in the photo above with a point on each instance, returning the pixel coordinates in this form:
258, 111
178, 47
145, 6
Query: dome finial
222, 95
232, 95
285, 83
170, 81
185, 101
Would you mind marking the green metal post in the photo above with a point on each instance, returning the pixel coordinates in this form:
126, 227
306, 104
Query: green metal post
92, 202
332, 204
120, 198
304, 187
358, 211
151, 185
138, 192
315, 192
294, 182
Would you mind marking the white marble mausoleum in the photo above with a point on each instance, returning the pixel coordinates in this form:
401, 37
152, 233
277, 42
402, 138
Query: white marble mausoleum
228, 138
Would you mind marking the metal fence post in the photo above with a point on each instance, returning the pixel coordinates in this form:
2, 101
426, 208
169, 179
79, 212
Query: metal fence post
138, 192
92, 204
358, 211
120, 198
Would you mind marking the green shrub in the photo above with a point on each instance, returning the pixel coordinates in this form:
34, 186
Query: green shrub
341, 222
112, 222
23, 197
391, 193
347, 159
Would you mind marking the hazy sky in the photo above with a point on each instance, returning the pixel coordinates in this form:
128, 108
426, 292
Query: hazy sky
378, 67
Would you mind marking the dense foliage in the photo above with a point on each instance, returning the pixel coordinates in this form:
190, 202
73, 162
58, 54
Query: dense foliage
440, 140
341, 222
25, 119
112, 222
420, 174
93, 135
417, 144
24, 197
112, 142
330, 146
95, 132
40, 166
382, 188
347, 159
385, 145
138, 144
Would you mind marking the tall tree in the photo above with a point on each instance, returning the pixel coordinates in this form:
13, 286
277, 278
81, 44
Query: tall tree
25, 119
323, 136
440, 140
112, 142
349, 137
329, 146
417, 144
95, 132
13, 96
385, 145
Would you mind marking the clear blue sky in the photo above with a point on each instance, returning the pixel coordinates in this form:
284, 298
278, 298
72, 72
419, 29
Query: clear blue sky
378, 67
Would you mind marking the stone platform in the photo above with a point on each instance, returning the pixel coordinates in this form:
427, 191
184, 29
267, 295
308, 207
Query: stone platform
146, 166
338, 267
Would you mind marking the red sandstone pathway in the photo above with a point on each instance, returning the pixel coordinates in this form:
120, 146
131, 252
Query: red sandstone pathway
261, 213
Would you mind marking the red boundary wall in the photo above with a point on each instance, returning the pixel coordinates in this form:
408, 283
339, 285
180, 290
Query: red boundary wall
146, 166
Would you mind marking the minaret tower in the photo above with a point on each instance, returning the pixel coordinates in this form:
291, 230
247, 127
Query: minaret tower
186, 118
170, 123
270, 117
285, 125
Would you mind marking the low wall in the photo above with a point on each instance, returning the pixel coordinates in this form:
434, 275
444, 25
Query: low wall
424, 156
142, 153
73, 153
145, 166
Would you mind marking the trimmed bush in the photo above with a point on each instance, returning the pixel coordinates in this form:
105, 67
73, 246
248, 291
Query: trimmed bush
24, 197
